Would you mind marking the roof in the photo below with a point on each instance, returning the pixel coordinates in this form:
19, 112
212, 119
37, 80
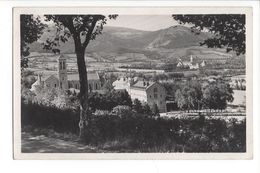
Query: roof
140, 85
91, 76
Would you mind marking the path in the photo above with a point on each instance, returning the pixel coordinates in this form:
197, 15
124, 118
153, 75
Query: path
42, 144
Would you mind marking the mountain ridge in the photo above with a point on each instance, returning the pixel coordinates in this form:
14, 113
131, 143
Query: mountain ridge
114, 38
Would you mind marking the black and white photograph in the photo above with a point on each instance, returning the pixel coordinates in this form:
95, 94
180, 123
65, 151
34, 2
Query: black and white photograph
139, 81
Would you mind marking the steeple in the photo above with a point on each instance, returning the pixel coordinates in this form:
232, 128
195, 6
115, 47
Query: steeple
62, 72
191, 59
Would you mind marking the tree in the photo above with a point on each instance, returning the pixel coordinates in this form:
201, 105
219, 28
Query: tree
83, 29
216, 95
228, 30
147, 109
27, 79
123, 98
179, 98
31, 29
155, 110
137, 106
196, 85
189, 96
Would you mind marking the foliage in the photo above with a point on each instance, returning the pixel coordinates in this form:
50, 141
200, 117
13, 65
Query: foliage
213, 95
52, 97
240, 84
189, 96
27, 79
137, 106
51, 117
216, 95
143, 133
171, 88
31, 29
146, 109
155, 110
109, 100
228, 29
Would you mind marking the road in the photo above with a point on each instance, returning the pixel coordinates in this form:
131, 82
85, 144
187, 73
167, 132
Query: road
42, 144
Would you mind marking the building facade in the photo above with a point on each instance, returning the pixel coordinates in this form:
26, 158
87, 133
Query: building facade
145, 91
66, 81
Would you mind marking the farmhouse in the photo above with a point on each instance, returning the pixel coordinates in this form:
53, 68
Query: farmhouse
145, 91
66, 81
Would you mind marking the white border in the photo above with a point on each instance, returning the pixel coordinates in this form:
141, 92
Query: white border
43, 166
130, 11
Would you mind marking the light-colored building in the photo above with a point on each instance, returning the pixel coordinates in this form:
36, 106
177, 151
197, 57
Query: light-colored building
145, 91
191, 64
122, 83
66, 81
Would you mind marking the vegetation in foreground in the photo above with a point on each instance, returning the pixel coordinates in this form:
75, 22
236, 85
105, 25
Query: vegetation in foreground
128, 131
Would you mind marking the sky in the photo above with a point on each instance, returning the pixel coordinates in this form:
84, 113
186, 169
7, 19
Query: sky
143, 22
139, 22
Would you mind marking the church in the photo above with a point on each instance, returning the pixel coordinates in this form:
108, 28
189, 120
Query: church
66, 81
191, 64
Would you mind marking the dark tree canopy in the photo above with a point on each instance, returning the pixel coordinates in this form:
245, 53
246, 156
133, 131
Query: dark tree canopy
31, 29
228, 30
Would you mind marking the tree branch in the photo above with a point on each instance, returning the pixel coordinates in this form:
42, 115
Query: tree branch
90, 31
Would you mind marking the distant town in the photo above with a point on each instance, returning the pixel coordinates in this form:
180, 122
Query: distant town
147, 84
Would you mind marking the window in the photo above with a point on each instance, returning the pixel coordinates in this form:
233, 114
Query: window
64, 65
155, 96
150, 96
96, 86
155, 90
55, 85
60, 66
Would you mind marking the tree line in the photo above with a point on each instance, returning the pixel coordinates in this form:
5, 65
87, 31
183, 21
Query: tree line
211, 95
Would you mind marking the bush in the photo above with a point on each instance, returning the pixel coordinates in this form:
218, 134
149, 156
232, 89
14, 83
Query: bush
41, 116
133, 132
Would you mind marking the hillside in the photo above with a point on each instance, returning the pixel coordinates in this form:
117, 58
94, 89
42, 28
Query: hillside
115, 38
117, 44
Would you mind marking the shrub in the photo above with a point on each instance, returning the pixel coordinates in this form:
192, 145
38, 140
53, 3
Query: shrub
122, 110
133, 132
41, 116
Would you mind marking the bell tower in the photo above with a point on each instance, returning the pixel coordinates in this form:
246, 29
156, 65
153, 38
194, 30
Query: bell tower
191, 59
62, 72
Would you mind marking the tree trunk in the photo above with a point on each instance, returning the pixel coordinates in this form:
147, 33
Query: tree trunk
84, 105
